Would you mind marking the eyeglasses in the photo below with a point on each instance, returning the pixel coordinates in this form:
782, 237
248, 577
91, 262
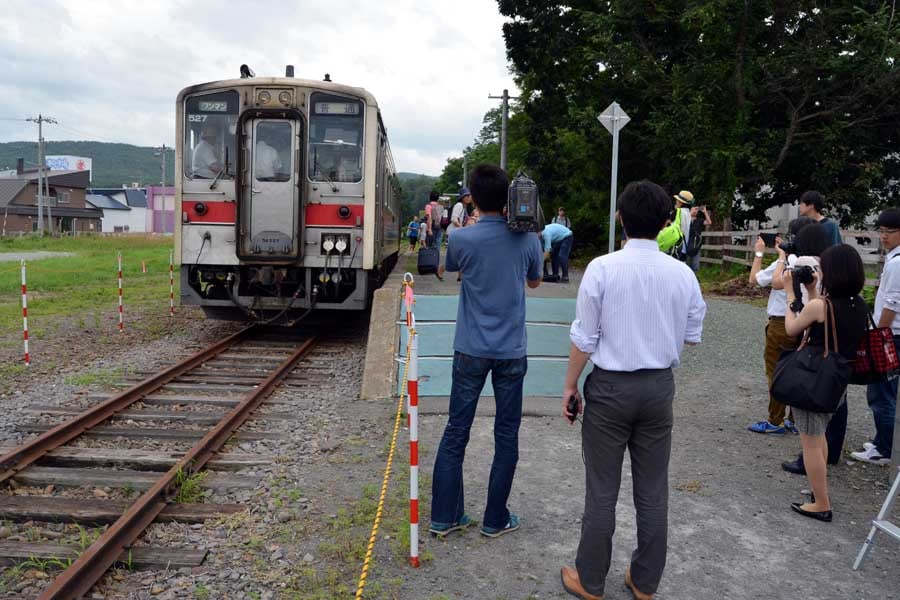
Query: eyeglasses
884, 231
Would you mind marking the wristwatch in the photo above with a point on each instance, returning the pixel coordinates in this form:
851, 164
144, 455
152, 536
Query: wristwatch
758, 254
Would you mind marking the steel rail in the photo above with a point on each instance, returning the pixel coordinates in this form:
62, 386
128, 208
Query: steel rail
33, 450
81, 576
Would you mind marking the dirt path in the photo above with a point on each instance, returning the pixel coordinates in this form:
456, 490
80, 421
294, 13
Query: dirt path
732, 534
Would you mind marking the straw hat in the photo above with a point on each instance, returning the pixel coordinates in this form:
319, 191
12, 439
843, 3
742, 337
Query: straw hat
685, 197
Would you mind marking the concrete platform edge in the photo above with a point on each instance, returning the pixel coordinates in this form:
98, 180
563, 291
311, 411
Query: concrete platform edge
380, 369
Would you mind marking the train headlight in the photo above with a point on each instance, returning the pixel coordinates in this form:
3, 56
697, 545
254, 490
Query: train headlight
264, 97
344, 212
284, 98
200, 208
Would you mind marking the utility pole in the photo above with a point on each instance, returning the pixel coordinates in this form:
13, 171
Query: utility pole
40, 120
162, 152
465, 182
504, 119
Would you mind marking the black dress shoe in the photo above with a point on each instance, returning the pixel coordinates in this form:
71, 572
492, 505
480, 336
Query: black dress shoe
793, 466
824, 515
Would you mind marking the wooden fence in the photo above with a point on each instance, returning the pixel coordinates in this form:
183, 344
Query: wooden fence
724, 247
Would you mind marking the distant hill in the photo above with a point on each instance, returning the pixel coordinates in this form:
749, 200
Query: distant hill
408, 176
113, 164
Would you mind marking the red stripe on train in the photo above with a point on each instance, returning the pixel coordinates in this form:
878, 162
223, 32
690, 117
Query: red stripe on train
214, 212
328, 215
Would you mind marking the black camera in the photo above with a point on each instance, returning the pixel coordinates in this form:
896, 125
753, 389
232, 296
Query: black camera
523, 208
804, 274
788, 245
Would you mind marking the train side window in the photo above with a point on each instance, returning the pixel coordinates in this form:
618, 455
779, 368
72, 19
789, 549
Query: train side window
209, 135
336, 138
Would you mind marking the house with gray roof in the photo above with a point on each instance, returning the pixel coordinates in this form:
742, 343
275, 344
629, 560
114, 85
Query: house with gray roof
65, 209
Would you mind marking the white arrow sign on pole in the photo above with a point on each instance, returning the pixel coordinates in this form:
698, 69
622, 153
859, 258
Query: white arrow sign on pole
614, 119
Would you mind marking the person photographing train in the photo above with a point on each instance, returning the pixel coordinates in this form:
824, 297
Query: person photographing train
496, 265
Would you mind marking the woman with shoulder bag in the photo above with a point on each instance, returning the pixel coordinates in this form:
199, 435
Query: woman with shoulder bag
842, 279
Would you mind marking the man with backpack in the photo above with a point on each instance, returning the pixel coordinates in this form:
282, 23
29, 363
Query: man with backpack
434, 216
699, 221
811, 205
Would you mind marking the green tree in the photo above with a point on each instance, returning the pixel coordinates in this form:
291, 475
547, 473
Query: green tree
746, 103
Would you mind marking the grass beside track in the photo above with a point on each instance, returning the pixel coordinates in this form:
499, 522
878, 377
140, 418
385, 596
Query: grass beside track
83, 285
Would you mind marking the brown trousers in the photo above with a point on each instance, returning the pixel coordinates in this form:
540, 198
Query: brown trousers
777, 341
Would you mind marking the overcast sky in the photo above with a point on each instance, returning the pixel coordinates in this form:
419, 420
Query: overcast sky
110, 71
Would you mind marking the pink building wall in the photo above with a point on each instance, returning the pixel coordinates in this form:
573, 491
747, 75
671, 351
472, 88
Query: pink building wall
161, 209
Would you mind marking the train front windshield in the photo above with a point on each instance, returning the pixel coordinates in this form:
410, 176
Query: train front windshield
209, 135
335, 139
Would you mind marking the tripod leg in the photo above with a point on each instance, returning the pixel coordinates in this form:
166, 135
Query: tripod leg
883, 514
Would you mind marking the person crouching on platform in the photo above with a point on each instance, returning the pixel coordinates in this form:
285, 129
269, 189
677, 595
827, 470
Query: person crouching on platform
636, 310
496, 264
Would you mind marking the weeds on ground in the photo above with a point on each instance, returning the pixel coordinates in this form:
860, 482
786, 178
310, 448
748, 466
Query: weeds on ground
190, 487
98, 377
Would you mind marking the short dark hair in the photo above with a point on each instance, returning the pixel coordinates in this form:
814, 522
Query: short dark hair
813, 240
889, 217
814, 198
644, 207
433, 196
489, 186
843, 275
799, 223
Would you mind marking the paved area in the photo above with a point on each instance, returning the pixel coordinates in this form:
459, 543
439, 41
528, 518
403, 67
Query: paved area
732, 533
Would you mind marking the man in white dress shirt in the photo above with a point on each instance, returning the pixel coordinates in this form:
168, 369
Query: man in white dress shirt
204, 160
636, 310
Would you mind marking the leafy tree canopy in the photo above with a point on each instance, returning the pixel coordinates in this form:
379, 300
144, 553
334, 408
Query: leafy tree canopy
755, 100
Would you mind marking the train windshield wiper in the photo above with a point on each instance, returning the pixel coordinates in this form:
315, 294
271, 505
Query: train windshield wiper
224, 170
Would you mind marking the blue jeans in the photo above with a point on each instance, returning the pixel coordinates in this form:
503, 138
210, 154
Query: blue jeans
559, 255
436, 238
882, 399
469, 375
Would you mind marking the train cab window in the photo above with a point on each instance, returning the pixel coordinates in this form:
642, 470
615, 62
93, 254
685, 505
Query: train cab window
209, 135
335, 139
272, 157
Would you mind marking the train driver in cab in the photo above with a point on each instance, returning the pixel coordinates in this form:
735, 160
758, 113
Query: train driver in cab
204, 160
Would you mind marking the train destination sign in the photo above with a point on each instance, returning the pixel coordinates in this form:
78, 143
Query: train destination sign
337, 108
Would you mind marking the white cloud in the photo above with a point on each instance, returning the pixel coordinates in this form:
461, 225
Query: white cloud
111, 70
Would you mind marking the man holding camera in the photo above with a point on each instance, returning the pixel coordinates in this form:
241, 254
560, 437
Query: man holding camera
636, 310
490, 338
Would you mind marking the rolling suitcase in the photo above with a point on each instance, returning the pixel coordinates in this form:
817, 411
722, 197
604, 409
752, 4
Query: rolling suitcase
429, 259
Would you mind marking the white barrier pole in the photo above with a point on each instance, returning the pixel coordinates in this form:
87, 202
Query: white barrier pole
171, 284
25, 316
121, 320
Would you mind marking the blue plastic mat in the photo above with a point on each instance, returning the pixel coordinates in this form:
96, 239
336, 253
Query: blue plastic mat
547, 323
537, 310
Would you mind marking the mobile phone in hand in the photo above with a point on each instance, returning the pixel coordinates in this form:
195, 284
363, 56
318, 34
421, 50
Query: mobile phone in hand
769, 239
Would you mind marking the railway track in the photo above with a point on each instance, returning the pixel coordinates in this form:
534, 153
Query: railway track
197, 404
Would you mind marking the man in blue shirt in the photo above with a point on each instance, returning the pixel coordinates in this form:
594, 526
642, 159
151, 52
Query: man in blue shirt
811, 205
490, 338
558, 243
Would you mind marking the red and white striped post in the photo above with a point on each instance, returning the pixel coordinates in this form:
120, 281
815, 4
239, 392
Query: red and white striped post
412, 393
171, 284
25, 316
121, 311
409, 300
413, 390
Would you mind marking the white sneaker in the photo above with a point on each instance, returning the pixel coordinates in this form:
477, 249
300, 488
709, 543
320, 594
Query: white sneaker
868, 445
871, 455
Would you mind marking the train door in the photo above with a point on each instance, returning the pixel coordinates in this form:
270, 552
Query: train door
272, 210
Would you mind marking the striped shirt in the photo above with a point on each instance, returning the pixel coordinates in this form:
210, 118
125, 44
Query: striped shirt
636, 308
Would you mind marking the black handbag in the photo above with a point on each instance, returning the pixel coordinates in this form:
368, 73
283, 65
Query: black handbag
811, 377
